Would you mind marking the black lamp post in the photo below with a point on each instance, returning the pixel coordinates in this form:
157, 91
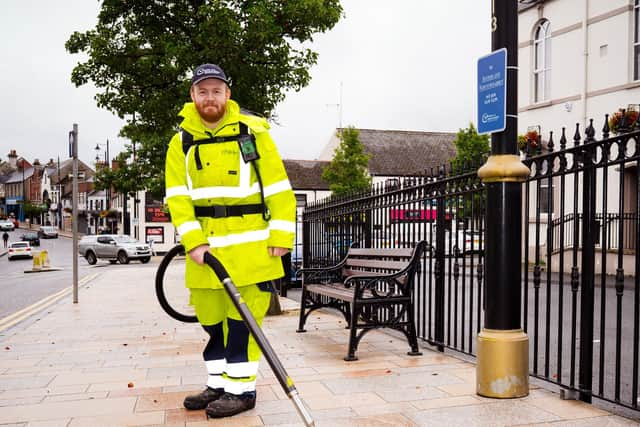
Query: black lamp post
24, 192
502, 370
107, 161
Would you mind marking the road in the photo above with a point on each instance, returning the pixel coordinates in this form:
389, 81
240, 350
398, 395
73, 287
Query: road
20, 290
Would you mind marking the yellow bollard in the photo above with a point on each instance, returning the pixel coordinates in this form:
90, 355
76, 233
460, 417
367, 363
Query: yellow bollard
36, 262
44, 259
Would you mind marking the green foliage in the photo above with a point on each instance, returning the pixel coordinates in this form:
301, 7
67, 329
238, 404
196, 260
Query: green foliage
348, 171
471, 148
471, 151
141, 55
145, 172
31, 210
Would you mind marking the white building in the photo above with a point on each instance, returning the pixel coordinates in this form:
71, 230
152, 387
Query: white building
578, 60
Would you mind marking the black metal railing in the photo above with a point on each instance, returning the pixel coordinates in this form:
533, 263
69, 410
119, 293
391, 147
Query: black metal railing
581, 293
444, 209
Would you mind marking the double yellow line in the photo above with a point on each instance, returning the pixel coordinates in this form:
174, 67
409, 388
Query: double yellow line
19, 316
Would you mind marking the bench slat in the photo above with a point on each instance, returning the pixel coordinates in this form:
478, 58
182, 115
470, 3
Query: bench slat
333, 290
382, 252
376, 263
347, 272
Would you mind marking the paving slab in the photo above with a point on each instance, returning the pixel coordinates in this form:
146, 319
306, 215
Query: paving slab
116, 359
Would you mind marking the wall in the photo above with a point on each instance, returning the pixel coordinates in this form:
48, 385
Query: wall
609, 71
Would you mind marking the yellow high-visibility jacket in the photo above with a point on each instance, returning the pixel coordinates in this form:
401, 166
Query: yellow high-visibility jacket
239, 242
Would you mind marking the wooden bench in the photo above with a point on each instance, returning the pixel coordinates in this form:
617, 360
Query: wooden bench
372, 288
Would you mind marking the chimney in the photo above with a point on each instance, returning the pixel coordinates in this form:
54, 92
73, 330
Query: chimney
13, 158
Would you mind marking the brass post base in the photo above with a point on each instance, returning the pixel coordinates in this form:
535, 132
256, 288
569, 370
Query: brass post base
503, 363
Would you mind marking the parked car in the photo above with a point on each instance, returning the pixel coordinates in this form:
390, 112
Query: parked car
457, 242
32, 238
113, 247
6, 225
296, 262
468, 242
19, 250
48, 232
473, 242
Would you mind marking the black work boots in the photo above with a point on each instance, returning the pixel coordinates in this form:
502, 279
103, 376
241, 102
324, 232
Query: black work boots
230, 404
202, 399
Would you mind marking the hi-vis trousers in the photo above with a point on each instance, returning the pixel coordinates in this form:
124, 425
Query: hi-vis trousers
231, 355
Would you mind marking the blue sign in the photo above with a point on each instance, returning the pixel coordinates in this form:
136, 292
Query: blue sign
492, 91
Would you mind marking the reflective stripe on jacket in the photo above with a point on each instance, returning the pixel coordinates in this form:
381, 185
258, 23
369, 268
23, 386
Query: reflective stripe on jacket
240, 243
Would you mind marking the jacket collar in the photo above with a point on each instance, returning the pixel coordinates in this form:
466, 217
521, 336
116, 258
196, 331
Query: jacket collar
191, 120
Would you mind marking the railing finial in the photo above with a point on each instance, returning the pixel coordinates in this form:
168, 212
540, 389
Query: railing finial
576, 136
563, 139
623, 121
590, 132
605, 128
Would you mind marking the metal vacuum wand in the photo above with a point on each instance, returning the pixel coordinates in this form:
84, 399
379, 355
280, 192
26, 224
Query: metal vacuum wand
276, 366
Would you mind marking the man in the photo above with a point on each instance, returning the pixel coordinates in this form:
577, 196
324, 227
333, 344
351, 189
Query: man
228, 193
5, 238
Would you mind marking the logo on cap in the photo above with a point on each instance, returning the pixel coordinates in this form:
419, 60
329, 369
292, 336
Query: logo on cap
207, 71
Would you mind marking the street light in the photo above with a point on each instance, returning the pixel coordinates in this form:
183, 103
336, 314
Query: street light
107, 162
24, 192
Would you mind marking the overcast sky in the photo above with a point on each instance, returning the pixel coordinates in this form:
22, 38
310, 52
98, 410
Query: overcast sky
403, 65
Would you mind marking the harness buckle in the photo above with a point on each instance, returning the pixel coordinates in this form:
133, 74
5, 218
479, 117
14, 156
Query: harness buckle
220, 211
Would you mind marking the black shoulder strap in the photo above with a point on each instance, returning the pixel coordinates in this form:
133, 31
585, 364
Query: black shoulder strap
187, 140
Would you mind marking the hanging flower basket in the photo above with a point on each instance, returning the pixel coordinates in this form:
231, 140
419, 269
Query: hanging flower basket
630, 121
528, 139
108, 213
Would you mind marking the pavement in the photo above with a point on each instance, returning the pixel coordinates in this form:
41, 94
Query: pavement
116, 359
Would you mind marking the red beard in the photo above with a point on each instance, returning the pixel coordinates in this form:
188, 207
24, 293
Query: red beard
211, 112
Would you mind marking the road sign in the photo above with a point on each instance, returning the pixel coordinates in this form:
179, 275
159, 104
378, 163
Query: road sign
492, 90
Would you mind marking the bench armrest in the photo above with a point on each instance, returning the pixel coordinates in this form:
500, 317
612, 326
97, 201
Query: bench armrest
372, 284
320, 275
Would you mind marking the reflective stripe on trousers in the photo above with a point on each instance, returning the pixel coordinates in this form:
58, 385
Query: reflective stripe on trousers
233, 366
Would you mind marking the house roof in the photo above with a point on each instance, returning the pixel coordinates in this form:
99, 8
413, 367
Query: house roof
306, 174
18, 175
66, 168
405, 153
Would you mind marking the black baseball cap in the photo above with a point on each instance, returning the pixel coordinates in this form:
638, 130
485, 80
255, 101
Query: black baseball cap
208, 71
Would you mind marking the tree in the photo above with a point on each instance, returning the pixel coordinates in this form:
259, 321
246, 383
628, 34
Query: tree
141, 53
32, 210
471, 148
348, 170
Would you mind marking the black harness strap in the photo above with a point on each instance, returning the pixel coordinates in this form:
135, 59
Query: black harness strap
187, 142
222, 211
